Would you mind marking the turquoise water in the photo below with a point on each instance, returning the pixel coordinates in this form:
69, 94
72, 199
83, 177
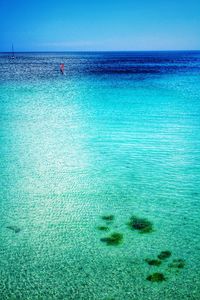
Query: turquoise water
117, 134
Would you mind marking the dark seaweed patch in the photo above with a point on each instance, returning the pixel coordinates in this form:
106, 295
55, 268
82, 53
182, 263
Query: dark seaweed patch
153, 262
156, 277
141, 224
177, 263
108, 217
164, 254
14, 228
113, 240
103, 228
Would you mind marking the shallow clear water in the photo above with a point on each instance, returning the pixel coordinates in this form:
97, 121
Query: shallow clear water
118, 134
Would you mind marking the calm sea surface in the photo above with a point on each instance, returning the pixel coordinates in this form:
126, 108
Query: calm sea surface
118, 134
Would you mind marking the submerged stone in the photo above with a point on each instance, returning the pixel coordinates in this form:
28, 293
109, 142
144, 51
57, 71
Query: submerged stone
103, 228
153, 262
108, 217
164, 254
14, 228
177, 263
140, 224
113, 240
156, 277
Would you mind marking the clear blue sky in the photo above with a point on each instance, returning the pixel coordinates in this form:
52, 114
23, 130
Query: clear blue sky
61, 25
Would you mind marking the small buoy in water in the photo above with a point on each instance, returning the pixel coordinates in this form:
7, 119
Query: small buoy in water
62, 67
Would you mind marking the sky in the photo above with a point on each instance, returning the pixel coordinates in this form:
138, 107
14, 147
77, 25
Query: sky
86, 25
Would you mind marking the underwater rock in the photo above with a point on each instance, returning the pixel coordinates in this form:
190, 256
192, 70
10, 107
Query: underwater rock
177, 263
14, 228
156, 277
108, 217
153, 262
103, 228
140, 224
114, 239
164, 254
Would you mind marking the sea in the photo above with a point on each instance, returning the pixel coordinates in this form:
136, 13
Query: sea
114, 139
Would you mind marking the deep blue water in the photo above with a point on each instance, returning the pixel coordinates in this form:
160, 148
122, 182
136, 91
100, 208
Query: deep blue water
130, 64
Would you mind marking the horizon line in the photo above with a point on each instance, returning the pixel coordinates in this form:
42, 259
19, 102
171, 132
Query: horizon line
79, 51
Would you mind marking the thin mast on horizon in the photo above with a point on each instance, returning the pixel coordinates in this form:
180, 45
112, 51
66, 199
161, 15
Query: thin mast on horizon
13, 53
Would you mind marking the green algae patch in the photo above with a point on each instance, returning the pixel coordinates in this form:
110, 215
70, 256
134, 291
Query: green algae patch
108, 217
153, 262
156, 277
141, 224
103, 228
164, 254
14, 228
177, 264
114, 239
